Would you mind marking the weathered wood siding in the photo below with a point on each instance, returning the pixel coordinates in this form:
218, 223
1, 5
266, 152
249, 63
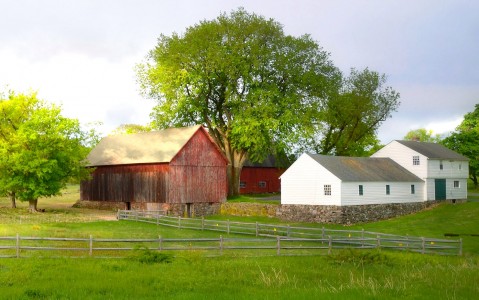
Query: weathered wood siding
198, 172
252, 176
127, 183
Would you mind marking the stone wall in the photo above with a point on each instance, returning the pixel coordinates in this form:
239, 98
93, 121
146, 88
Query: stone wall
348, 214
245, 209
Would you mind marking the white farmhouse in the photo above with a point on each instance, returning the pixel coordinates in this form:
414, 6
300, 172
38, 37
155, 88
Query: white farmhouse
346, 181
444, 171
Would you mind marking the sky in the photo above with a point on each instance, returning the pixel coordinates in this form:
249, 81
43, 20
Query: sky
82, 54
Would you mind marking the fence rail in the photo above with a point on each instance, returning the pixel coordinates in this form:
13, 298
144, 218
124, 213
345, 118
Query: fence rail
336, 238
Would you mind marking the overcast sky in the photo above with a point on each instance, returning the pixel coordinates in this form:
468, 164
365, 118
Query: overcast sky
82, 54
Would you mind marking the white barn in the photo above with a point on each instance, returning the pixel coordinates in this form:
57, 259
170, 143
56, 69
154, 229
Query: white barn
345, 181
444, 171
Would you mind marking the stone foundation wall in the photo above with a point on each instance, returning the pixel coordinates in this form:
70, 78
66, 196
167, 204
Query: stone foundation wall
348, 214
105, 205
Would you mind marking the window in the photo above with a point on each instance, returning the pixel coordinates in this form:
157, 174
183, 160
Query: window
327, 190
441, 166
415, 160
388, 189
242, 184
460, 166
360, 190
262, 184
456, 184
413, 189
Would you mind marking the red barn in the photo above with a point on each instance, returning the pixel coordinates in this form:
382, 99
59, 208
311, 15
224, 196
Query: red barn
178, 169
258, 178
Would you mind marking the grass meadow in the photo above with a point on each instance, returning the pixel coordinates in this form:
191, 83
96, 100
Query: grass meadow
144, 274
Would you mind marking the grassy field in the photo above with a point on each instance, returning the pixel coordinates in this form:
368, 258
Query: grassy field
190, 275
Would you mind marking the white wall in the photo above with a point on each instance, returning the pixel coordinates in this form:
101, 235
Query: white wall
303, 183
404, 157
375, 193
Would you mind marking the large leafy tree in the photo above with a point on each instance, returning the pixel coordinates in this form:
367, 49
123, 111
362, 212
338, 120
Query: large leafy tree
40, 150
347, 122
465, 141
241, 77
260, 91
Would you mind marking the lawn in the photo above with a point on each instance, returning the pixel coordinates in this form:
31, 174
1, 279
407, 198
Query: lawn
192, 275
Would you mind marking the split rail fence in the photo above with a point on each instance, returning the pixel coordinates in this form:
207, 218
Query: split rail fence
267, 239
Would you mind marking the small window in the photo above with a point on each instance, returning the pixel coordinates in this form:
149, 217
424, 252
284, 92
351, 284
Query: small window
456, 184
242, 184
460, 166
415, 160
441, 166
327, 190
413, 189
262, 184
360, 190
388, 189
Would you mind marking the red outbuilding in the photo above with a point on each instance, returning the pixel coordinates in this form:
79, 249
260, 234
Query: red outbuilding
259, 178
178, 169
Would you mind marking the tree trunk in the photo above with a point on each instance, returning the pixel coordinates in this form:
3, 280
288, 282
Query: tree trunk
12, 199
32, 205
233, 174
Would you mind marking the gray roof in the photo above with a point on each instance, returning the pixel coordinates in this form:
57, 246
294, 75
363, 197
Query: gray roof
366, 169
433, 150
147, 147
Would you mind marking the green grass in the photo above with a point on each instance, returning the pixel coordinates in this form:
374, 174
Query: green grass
191, 275
256, 198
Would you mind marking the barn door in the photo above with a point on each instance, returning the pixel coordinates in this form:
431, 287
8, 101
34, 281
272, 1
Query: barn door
440, 189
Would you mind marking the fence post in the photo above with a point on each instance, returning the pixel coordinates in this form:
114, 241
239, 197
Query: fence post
221, 245
257, 229
362, 237
118, 214
18, 245
423, 246
202, 222
278, 245
330, 244
460, 247
160, 243
179, 222
322, 233
378, 245
228, 226
158, 219
288, 232
91, 245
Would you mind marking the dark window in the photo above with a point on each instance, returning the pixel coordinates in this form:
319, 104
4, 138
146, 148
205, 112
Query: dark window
242, 184
441, 166
413, 189
360, 190
415, 160
388, 189
456, 184
327, 190
262, 184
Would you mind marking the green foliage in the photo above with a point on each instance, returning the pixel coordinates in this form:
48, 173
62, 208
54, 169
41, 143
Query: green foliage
465, 141
40, 150
146, 256
422, 135
131, 129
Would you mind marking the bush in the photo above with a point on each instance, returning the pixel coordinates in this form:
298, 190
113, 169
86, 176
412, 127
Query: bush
145, 256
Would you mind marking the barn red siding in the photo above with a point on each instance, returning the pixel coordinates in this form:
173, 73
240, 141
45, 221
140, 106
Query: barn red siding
127, 183
252, 176
198, 172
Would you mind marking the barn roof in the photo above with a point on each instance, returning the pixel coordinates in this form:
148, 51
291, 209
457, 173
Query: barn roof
366, 169
433, 150
147, 147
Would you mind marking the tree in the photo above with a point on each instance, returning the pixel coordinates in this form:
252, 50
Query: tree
40, 150
242, 78
346, 123
259, 91
422, 135
131, 128
465, 141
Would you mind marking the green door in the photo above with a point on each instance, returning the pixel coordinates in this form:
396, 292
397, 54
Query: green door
440, 188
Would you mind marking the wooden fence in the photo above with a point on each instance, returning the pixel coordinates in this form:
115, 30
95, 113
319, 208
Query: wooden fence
337, 238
